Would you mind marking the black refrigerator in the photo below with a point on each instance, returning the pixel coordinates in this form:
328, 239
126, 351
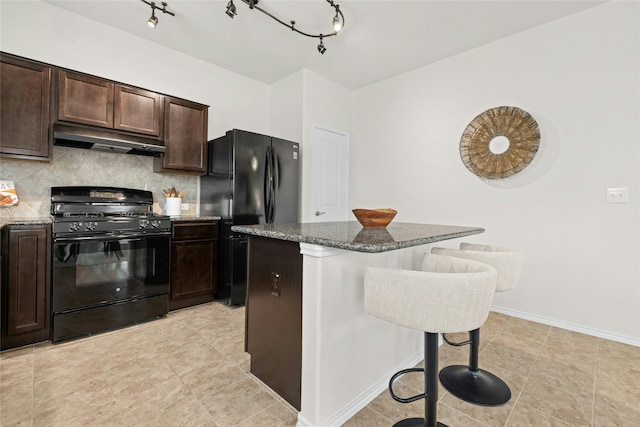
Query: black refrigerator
251, 179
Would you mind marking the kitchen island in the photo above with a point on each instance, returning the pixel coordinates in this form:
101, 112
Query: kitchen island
309, 337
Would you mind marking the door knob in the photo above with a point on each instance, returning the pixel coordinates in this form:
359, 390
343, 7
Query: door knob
318, 213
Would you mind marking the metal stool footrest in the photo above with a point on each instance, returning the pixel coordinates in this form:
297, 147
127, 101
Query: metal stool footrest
405, 399
456, 344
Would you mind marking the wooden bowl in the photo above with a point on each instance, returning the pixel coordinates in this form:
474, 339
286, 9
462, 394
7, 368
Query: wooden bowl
374, 218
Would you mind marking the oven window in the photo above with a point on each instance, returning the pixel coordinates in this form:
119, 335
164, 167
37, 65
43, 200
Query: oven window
94, 272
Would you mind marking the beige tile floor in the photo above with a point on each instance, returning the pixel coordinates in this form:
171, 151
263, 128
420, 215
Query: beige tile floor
189, 369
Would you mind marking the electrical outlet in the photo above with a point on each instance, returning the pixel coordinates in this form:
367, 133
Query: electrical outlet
618, 195
184, 206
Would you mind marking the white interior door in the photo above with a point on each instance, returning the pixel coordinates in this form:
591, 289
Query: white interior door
330, 170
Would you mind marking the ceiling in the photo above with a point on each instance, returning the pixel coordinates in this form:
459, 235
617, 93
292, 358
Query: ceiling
380, 39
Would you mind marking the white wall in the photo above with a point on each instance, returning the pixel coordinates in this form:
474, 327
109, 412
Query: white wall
580, 78
327, 104
287, 105
298, 102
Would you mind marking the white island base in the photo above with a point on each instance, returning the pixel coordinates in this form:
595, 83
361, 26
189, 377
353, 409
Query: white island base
318, 347
347, 355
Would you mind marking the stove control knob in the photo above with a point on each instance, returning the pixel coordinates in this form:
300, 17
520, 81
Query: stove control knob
91, 225
144, 223
74, 226
155, 223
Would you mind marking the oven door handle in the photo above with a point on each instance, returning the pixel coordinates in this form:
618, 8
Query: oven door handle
110, 237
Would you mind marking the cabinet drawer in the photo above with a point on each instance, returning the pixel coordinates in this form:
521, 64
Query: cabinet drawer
195, 231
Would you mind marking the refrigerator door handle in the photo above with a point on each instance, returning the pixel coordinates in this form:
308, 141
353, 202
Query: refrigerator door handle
267, 187
274, 185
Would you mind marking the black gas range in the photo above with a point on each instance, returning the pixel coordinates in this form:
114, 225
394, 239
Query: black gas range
91, 211
111, 259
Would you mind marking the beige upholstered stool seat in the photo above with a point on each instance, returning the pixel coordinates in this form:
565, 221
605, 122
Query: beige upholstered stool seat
470, 383
447, 295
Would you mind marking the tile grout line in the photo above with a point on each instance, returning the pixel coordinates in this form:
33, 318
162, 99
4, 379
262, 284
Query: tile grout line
33, 383
371, 409
595, 385
506, 421
528, 375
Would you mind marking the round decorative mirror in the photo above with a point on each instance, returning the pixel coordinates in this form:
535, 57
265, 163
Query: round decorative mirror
499, 142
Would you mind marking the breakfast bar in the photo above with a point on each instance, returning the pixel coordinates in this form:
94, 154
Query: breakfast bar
309, 337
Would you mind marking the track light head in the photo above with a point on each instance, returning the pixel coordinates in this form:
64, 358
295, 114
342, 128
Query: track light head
153, 21
231, 9
337, 24
321, 47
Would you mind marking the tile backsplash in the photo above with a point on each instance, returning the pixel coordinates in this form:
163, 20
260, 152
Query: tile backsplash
75, 166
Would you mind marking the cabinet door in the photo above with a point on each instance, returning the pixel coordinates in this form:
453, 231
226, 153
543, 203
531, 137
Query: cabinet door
273, 315
185, 138
137, 110
25, 287
25, 89
193, 263
85, 99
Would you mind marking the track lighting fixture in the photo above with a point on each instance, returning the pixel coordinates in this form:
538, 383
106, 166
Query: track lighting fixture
337, 22
153, 21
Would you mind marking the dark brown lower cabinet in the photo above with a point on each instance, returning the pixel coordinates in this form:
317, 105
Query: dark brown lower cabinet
194, 249
25, 291
273, 313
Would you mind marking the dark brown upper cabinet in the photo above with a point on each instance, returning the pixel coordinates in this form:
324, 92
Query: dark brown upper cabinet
137, 110
85, 99
95, 101
37, 98
185, 138
25, 94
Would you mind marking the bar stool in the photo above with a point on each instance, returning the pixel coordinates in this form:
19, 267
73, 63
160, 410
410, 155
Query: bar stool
470, 383
447, 295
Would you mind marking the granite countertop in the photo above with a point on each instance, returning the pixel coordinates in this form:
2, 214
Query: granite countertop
350, 235
195, 218
25, 220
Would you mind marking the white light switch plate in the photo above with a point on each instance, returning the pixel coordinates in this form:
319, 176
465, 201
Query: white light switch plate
184, 206
618, 195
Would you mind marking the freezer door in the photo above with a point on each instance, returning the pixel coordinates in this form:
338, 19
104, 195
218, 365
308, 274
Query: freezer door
232, 276
286, 178
215, 187
250, 156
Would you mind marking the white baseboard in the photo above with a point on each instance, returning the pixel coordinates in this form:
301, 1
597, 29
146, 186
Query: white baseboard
353, 407
568, 326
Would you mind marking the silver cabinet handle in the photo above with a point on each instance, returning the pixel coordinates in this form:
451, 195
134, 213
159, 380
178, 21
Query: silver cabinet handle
318, 213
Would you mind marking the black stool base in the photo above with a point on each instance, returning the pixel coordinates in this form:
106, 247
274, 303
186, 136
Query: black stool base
478, 387
414, 422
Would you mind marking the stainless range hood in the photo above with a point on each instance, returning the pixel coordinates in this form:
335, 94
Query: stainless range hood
105, 140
